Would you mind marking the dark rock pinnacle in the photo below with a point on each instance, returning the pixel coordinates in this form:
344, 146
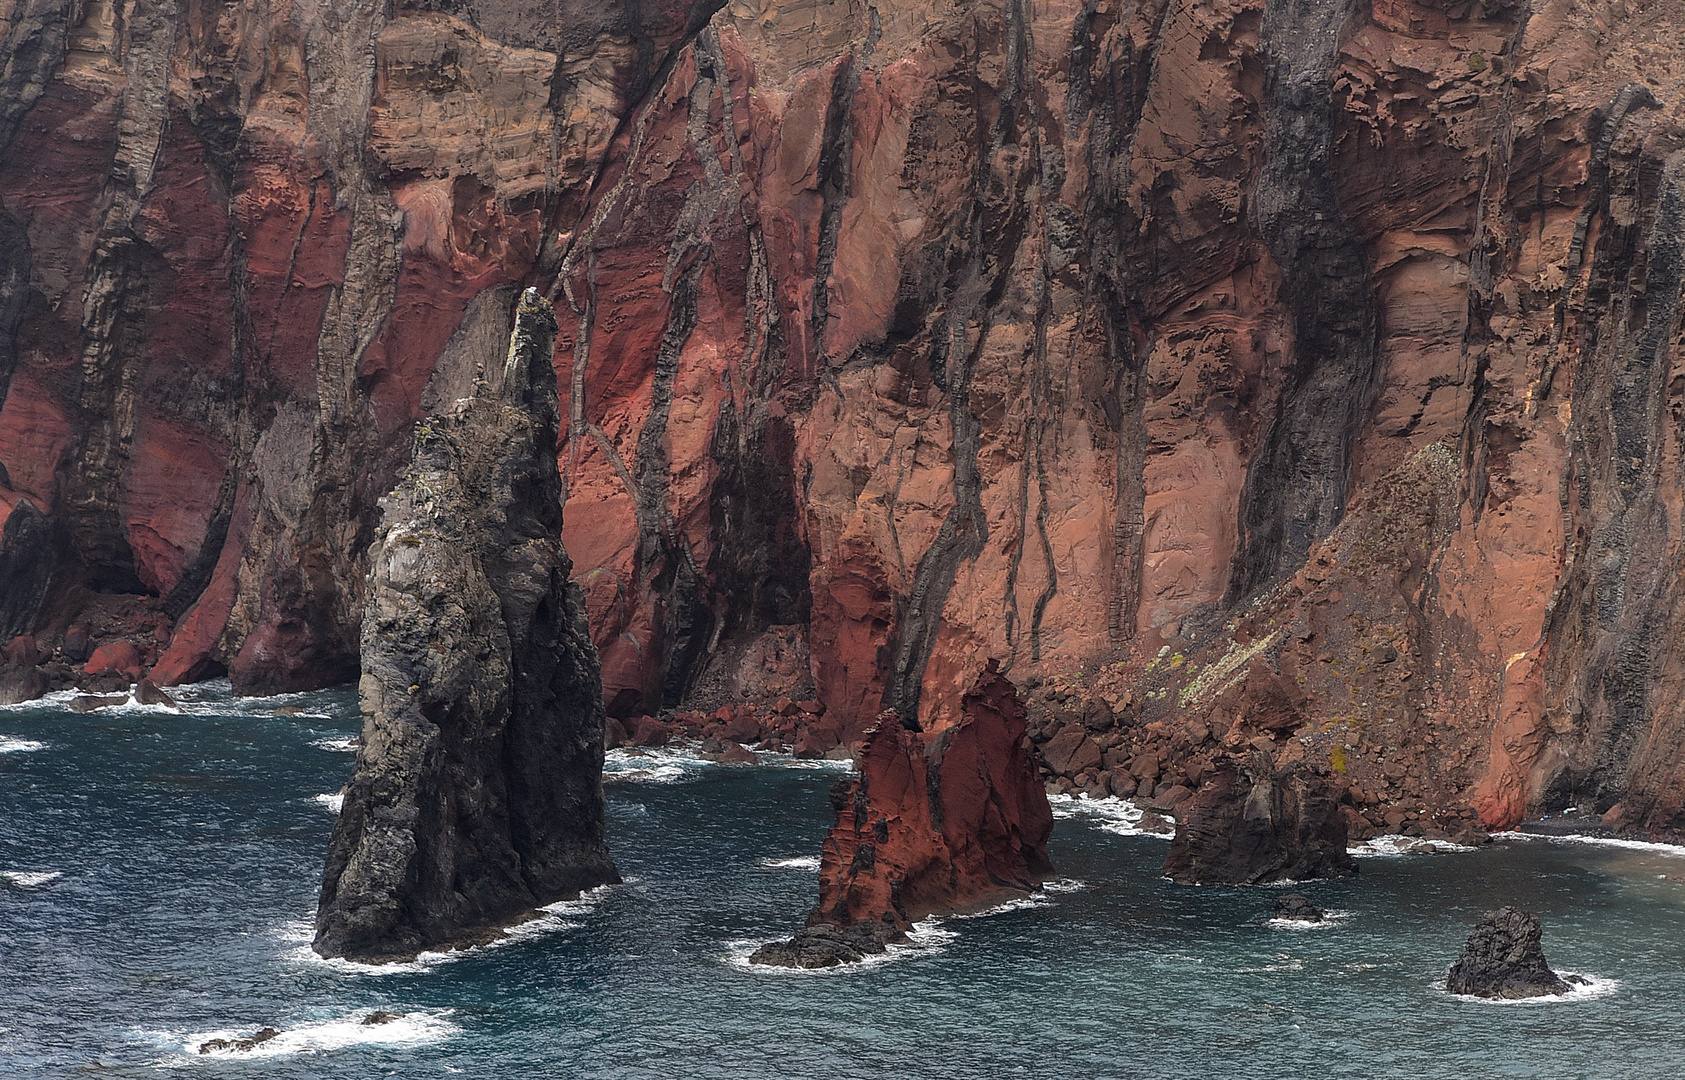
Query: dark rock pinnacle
477, 793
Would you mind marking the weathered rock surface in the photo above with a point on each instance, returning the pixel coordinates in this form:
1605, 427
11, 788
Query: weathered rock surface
1297, 907
1504, 958
824, 945
477, 793
1252, 823
940, 822
20, 683
239, 1045
1291, 370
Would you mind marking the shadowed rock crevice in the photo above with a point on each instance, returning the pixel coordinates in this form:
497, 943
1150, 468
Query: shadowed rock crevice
1296, 487
477, 794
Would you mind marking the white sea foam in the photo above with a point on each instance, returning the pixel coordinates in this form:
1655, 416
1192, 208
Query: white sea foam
1111, 815
799, 862
29, 879
333, 801
561, 915
343, 744
1592, 988
681, 761
1676, 850
10, 745
412, 1028
1393, 844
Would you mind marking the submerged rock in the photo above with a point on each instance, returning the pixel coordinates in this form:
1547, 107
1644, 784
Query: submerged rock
1298, 908
1252, 823
262, 1035
381, 1016
477, 795
824, 945
90, 702
1504, 958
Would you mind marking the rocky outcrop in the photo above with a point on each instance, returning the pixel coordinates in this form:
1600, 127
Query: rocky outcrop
477, 792
1252, 823
1503, 958
1296, 907
937, 822
824, 945
1185, 356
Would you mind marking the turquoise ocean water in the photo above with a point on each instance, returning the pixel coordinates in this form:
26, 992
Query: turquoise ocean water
158, 875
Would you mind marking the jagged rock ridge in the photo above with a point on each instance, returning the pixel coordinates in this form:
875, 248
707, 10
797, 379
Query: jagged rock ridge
477, 793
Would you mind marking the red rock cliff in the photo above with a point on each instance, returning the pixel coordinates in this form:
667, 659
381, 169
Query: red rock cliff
1329, 345
939, 823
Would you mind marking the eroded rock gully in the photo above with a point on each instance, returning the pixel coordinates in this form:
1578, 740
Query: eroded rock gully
1300, 375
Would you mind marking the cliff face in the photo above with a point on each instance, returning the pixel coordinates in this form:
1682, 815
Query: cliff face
1324, 353
477, 794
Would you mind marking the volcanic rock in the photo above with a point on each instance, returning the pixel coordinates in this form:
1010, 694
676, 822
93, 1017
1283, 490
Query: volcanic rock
1504, 958
477, 795
262, 1035
147, 693
20, 683
824, 945
938, 822
1252, 823
1298, 908
83, 703
114, 658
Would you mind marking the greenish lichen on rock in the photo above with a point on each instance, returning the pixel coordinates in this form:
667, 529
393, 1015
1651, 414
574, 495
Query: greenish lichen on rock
477, 793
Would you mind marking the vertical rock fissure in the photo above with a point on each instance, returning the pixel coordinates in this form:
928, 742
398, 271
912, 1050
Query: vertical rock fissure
1295, 490
984, 267
1622, 579
836, 177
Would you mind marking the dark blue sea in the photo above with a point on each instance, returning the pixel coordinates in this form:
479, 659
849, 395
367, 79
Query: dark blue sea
158, 876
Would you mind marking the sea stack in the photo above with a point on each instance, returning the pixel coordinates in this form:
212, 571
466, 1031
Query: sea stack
934, 823
477, 793
1504, 958
1252, 823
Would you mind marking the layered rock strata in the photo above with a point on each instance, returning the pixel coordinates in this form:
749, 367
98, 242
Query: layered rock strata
1252, 823
477, 792
1318, 353
1505, 958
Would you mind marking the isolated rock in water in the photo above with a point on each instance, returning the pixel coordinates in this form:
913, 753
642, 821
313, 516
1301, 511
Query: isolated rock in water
1251, 823
20, 683
90, 702
937, 823
477, 794
148, 693
1504, 958
824, 945
1298, 908
262, 1035
381, 1016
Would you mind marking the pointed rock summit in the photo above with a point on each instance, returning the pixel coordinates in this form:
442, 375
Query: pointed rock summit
477, 793
1505, 958
935, 823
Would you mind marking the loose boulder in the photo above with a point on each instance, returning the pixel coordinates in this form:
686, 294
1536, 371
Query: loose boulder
1505, 958
20, 683
477, 794
1252, 823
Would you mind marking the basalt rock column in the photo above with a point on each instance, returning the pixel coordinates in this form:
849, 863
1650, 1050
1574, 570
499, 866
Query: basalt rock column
477, 794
